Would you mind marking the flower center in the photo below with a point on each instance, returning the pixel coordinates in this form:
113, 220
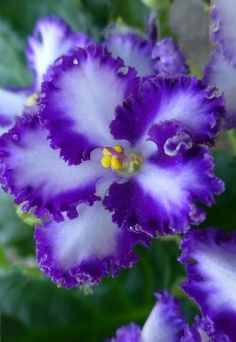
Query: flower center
119, 161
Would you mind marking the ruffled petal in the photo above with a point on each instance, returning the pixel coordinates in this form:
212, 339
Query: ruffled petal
35, 173
184, 99
224, 26
165, 322
128, 333
202, 330
85, 249
80, 100
209, 256
168, 59
162, 196
135, 51
51, 39
12, 104
223, 75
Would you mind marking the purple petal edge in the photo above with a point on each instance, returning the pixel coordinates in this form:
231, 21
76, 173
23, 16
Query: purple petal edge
194, 246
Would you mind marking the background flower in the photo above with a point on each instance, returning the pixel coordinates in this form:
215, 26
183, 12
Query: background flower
221, 69
52, 38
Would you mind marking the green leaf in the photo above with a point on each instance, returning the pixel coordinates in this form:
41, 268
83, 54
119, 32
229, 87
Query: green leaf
32, 11
12, 229
133, 12
3, 259
89, 16
231, 135
194, 69
74, 12
12, 67
223, 213
156, 4
50, 312
11, 329
34, 301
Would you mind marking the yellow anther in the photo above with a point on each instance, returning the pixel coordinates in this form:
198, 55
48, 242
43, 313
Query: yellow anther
31, 100
116, 159
106, 152
116, 163
106, 161
118, 148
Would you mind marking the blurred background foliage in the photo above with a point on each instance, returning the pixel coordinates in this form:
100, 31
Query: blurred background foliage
32, 308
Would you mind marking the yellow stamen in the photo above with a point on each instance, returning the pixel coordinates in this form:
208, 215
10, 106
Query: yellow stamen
110, 159
106, 161
116, 163
31, 100
116, 159
118, 148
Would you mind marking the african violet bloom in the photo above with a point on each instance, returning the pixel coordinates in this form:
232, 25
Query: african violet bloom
118, 157
221, 69
165, 323
148, 55
51, 39
209, 256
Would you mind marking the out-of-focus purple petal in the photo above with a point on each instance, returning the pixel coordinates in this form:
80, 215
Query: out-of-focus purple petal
223, 27
209, 256
223, 74
134, 50
168, 59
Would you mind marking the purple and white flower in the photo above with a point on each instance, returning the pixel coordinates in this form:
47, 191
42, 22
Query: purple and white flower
165, 323
121, 172
221, 69
146, 54
209, 257
51, 39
